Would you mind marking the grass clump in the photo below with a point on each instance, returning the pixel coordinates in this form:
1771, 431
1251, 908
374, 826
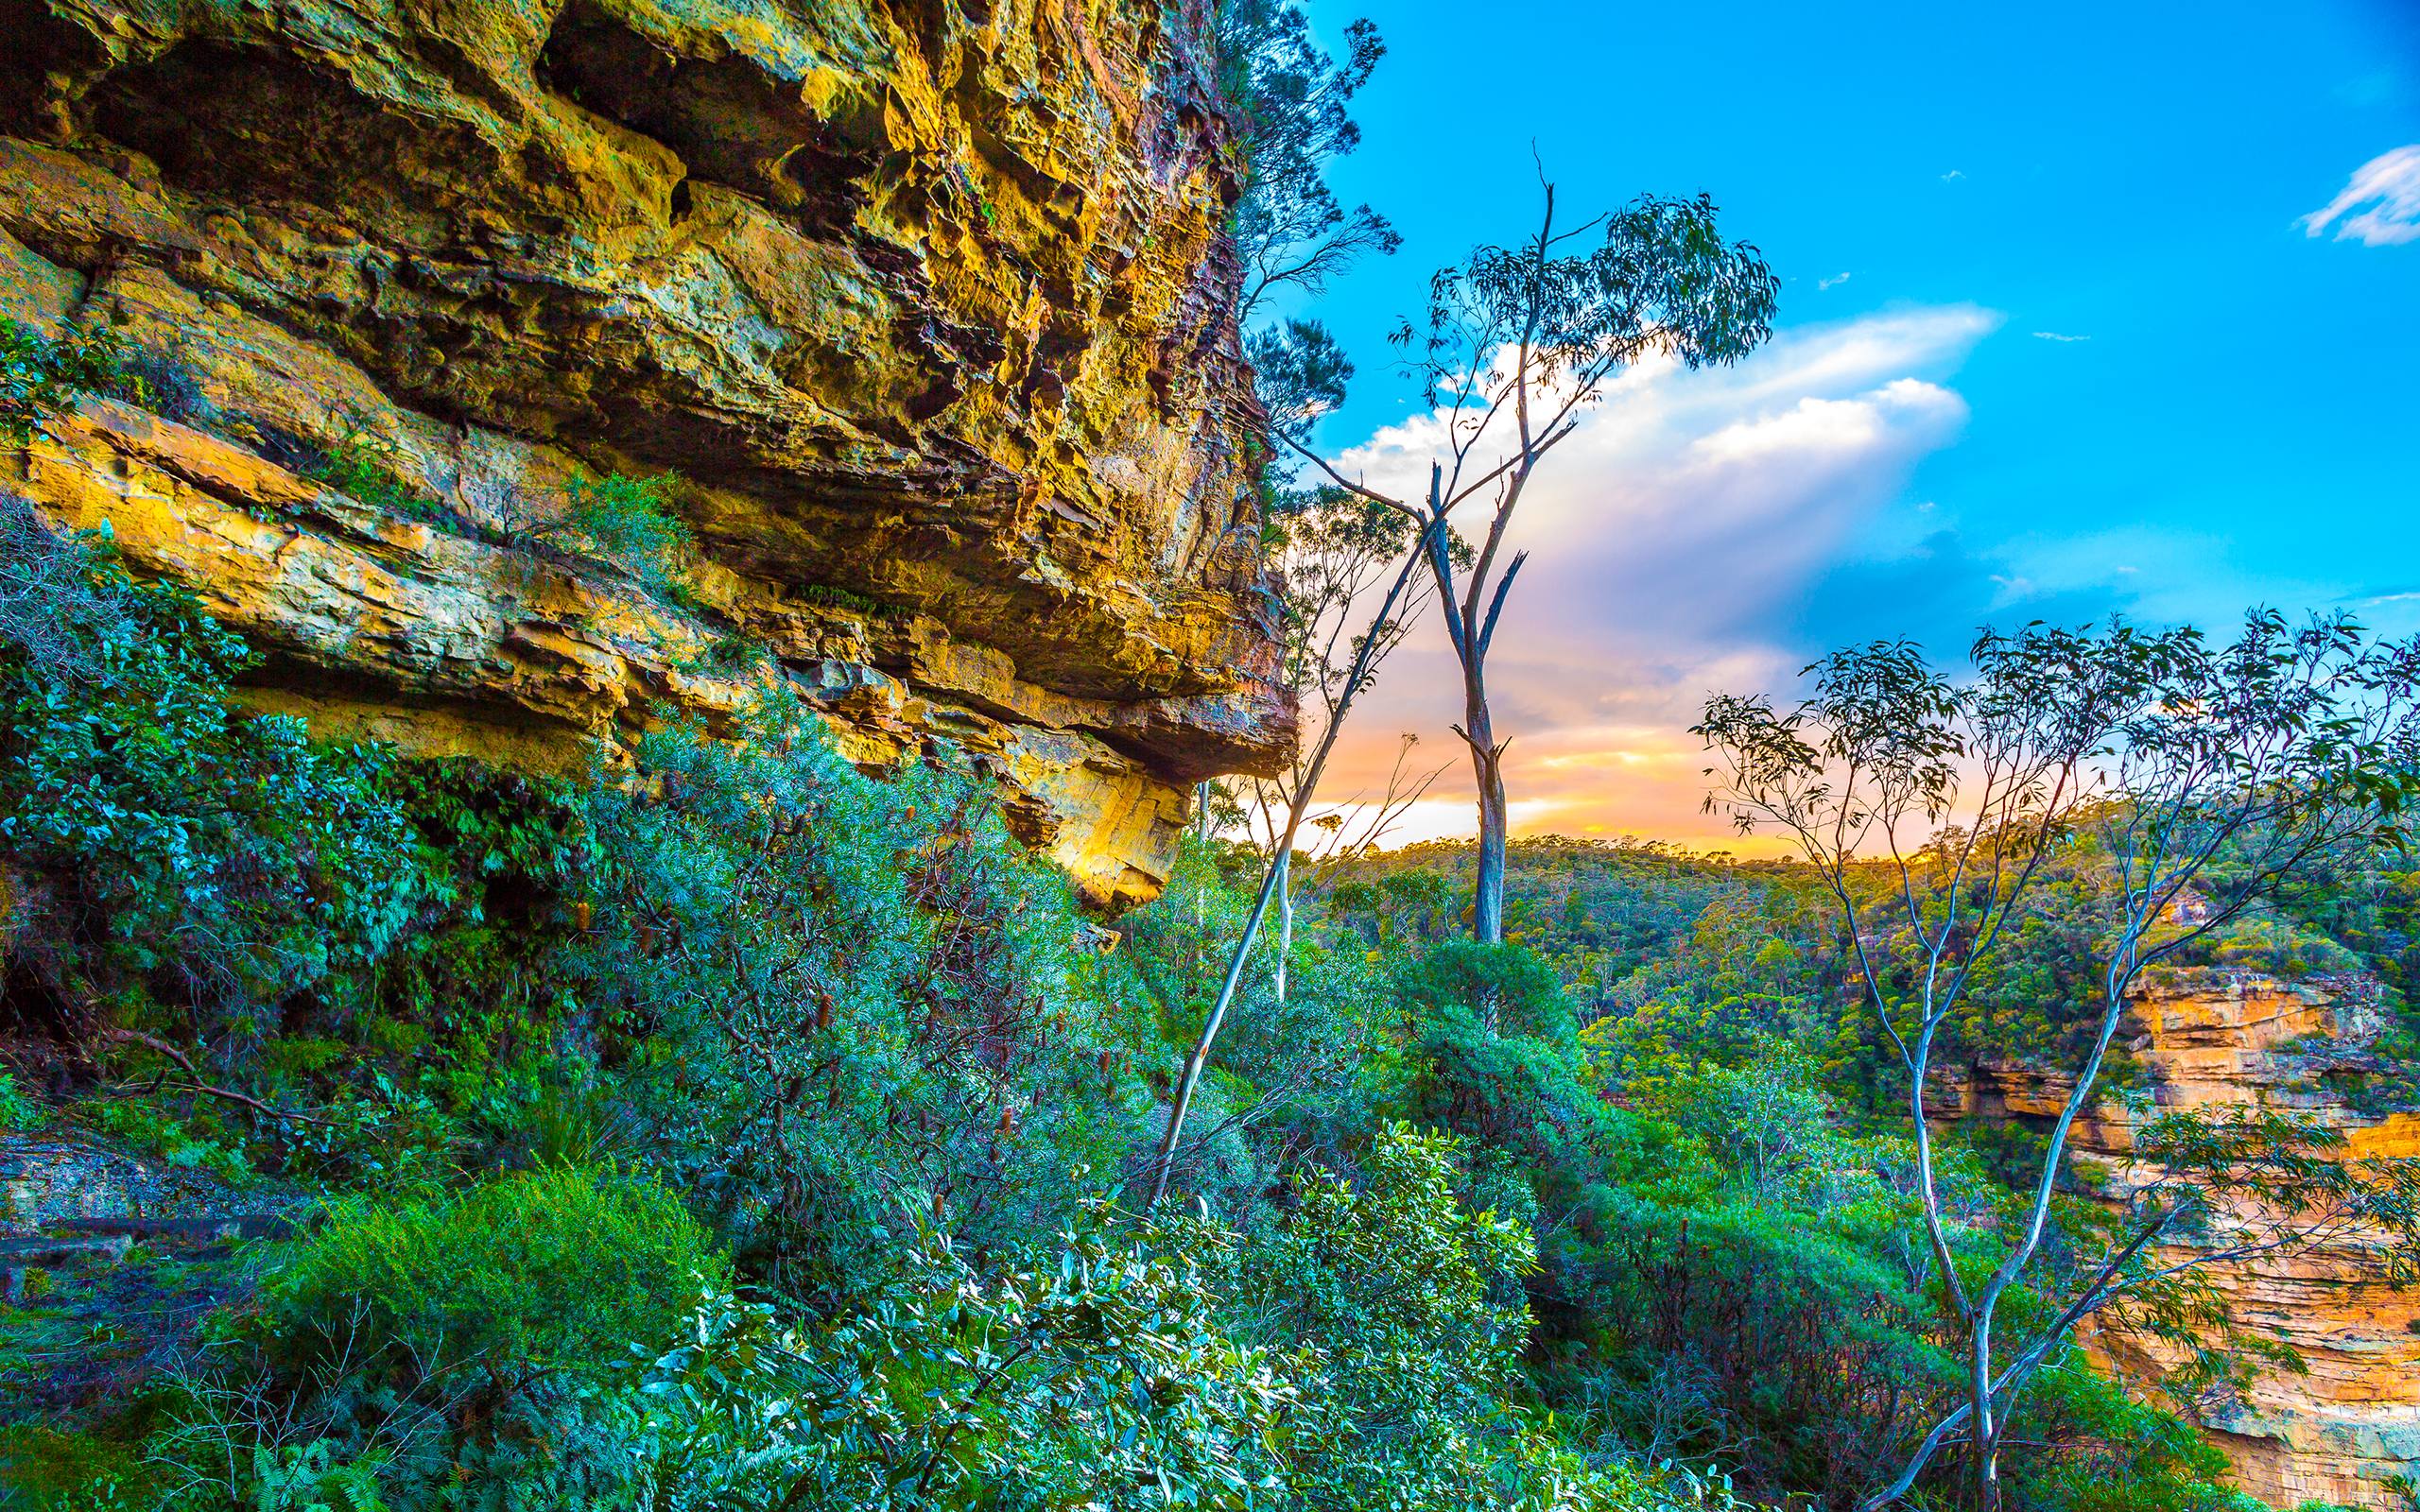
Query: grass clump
851, 602
533, 1271
360, 464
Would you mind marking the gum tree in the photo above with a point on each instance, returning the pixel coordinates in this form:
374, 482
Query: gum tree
1290, 102
1515, 343
2188, 773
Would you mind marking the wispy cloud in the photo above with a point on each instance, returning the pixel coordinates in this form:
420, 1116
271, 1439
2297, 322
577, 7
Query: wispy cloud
1678, 540
2054, 335
2379, 206
1953, 175
1834, 282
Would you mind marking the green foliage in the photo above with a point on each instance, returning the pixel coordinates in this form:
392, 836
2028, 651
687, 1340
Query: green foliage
834, 989
1397, 1309
312, 1478
456, 1349
360, 464
19, 1113
854, 603
540, 1271
629, 521
38, 374
1611, 1216
1094, 1376
1760, 1334
1357, 1358
189, 850
1288, 102
44, 1468
1460, 975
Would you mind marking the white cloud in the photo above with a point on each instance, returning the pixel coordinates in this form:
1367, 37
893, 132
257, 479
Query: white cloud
1834, 282
1669, 535
2389, 186
2053, 335
1953, 175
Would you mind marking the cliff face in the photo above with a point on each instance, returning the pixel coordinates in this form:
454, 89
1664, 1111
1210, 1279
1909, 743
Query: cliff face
925, 299
2339, 1432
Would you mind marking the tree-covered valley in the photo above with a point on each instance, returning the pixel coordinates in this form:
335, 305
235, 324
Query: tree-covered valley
689, 823
742, 1131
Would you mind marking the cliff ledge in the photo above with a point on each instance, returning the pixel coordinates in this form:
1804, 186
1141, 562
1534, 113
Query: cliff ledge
925, 303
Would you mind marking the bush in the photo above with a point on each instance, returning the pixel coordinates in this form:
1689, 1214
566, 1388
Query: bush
630, 524
38, 374
185, 848
825, 990
452, 1350
1510, 981
1090, 1374
1400, 1314
360, 464
1360, 1358
537, 1272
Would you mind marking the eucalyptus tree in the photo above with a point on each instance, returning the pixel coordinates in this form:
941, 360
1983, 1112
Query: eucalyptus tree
1334, 553
1288, 99
2199, 780
1517, 341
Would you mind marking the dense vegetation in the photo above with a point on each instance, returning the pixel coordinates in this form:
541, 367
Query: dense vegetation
732, 1129
738, 1130
735, 1129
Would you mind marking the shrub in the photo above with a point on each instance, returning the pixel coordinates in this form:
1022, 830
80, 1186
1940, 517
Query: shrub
628, 523
360, 464
457, 1349
536, 1272
828, 988
186, 848
39, 373
1466, 976
850, 602
1399, 1313
1090, 1374
18, 1112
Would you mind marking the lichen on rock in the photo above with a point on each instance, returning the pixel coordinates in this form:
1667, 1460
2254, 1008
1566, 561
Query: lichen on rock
928, 303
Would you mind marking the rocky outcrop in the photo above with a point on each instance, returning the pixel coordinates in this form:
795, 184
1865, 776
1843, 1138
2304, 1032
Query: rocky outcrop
2341, 1431
924, 301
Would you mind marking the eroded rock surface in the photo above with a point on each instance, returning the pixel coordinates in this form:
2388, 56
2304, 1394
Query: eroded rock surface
926, 301
2342, 1431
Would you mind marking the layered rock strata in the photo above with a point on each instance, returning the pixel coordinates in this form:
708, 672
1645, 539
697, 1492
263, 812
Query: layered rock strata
925, 304
2345, 1430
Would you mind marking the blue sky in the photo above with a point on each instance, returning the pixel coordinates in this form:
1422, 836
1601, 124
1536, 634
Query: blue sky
2055, 338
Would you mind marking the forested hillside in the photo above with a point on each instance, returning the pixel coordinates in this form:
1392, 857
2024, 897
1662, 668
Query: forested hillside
665, 673
738, 1130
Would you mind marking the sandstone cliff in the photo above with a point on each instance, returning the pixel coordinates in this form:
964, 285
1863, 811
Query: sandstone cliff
2339, 1432
927, 301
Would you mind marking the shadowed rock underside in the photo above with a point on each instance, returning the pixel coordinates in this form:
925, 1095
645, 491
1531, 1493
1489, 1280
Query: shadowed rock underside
927, 304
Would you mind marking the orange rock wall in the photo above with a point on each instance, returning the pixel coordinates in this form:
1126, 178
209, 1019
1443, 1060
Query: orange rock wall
928, 302
2341, 1432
